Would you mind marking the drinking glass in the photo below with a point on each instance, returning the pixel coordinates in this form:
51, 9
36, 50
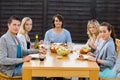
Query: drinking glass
32, 45
70, 46
47, 44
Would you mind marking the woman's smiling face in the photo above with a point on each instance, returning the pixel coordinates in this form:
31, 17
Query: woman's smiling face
104, 32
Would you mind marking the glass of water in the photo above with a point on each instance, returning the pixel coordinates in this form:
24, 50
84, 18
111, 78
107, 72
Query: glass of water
70, 46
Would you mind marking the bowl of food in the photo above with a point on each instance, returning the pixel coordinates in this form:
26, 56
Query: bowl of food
62, 51
85, 50
55, 46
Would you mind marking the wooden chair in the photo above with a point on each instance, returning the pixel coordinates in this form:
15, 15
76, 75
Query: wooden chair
5, 77
118, 47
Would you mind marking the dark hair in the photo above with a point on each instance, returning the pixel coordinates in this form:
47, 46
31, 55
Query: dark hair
110, 28
60, 17
13, 18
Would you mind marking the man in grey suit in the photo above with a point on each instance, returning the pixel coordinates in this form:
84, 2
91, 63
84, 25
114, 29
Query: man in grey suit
11, 52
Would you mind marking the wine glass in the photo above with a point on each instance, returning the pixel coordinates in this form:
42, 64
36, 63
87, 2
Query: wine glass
70, 46
47, 44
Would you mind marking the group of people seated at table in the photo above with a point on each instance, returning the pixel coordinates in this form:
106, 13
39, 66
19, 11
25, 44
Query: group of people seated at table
15, 45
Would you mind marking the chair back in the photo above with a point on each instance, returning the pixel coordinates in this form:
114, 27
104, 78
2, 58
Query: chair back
118, 47
5, 77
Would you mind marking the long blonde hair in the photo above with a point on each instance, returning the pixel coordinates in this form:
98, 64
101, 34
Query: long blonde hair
22, 27
96, 24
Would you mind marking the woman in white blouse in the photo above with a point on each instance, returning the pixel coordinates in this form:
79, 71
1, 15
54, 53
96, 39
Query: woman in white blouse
93, 33
26, 26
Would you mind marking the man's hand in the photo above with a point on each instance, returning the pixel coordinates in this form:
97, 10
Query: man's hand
42, 50
26, 58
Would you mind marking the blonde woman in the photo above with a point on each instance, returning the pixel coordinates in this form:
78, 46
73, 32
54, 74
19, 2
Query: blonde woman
26, 26
93, 33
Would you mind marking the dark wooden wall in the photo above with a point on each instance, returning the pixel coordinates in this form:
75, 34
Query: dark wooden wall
76, 14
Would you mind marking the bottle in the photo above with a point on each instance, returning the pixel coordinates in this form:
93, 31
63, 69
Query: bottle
36, 43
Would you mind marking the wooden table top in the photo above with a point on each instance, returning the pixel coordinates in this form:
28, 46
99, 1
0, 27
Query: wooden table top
67, 62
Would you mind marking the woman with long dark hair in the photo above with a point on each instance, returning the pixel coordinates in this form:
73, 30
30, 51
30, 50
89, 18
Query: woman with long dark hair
106, 53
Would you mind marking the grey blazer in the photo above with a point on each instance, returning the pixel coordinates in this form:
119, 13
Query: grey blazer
8, 53
108, 54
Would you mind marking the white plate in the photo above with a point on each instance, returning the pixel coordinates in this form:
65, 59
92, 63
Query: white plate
85, 56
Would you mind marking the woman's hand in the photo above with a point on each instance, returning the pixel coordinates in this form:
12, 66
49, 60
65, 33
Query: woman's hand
91, 54
91, 44
91, 58
41, 42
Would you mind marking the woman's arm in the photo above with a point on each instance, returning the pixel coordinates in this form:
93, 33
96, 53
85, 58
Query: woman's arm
91, 44
91, 58
69, 39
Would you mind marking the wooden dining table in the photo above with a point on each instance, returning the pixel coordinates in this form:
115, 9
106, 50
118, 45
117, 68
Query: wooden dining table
67, 66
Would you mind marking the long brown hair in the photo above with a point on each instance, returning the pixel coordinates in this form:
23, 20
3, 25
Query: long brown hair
110, 28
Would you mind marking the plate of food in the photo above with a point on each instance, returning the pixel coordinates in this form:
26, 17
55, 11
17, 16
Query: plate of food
83, 57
